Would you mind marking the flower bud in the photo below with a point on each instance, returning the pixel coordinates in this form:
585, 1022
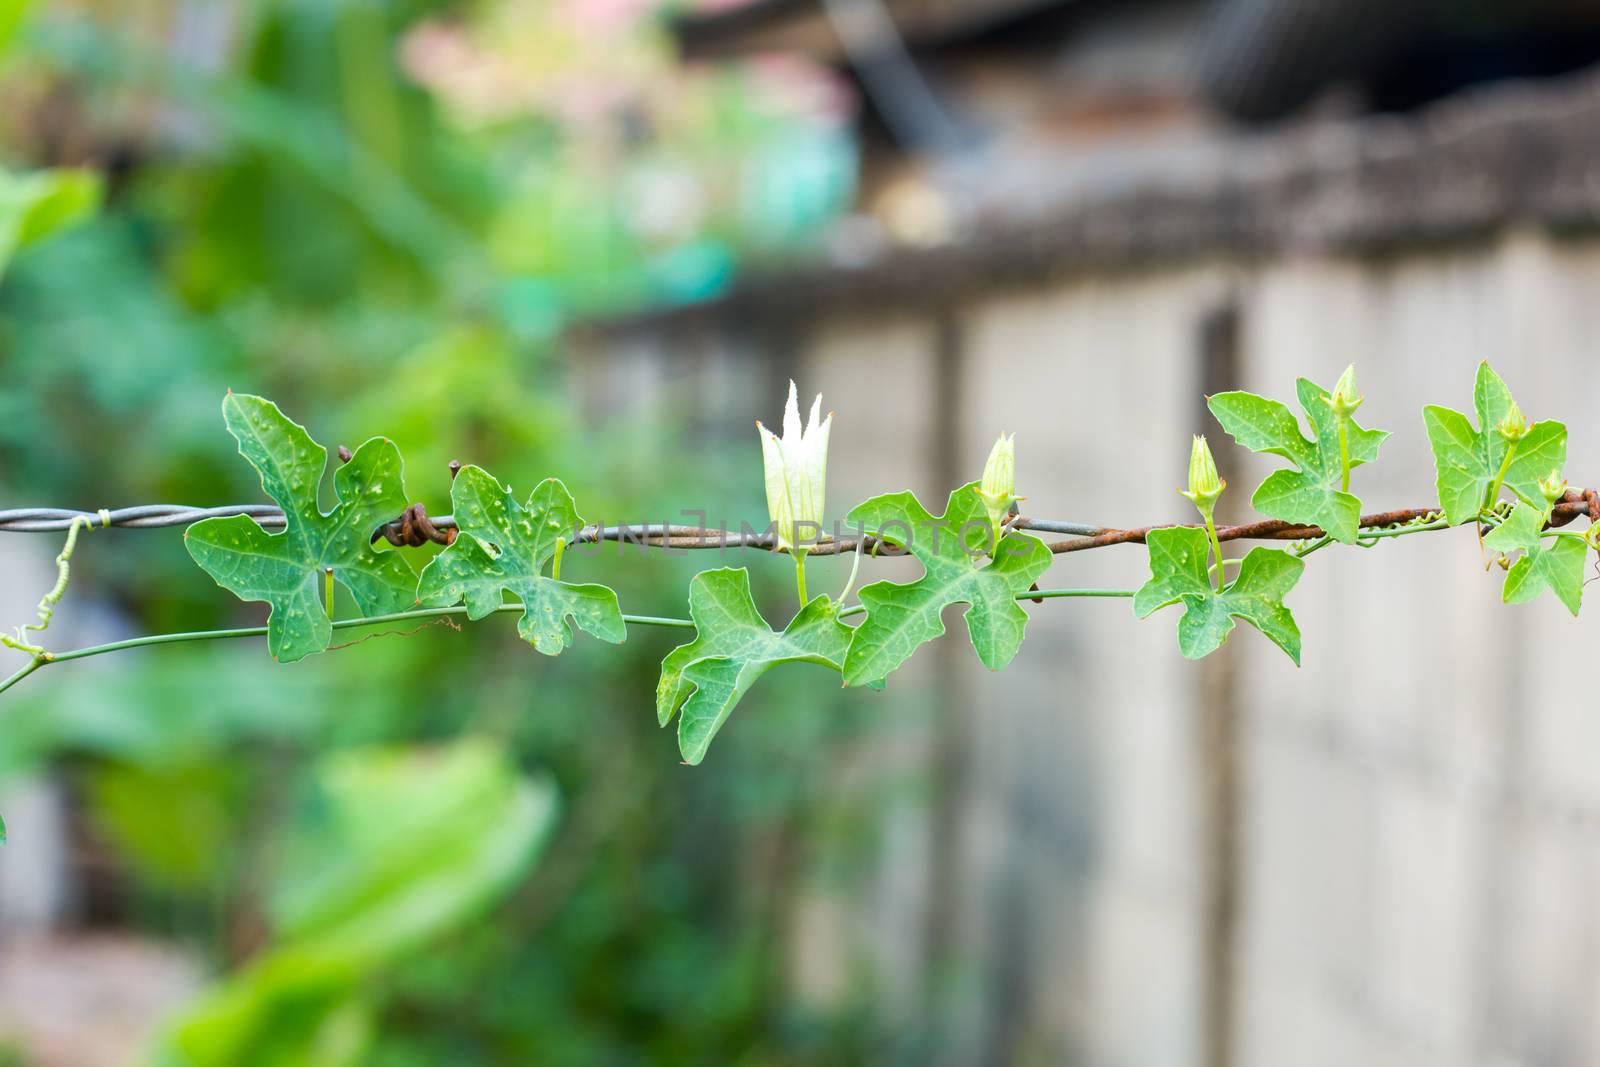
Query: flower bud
1554, 487
1205, 485
1344, 400
998, 488
1513, 427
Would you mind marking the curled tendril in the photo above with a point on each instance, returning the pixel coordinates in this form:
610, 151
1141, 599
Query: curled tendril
47, 604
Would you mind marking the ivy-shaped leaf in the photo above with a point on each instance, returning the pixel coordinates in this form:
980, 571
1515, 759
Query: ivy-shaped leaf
951, 549
733, 647
1310, 495
286, 570
1178, 562
1556, 565
502, 547
1466, 460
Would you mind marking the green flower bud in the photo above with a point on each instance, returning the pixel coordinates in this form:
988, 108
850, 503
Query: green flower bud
1554, 487
998, 488
1205, 485
1514, 427
1344, 400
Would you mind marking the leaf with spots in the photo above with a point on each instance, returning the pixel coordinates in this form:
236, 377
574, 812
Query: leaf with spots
1554, 563
1178, 572
734, 647
953, 549
1467, 460
503, 547
287, 570
1311, 494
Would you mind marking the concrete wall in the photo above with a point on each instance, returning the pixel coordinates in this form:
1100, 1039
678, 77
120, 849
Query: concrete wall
1387, 856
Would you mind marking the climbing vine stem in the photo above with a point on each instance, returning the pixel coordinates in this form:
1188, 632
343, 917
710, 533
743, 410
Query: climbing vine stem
978, 553
42, 658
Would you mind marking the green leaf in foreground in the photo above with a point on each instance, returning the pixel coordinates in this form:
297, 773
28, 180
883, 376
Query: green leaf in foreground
734, 646
1554, 563
287, 570
1178, 559
503, 547
400, 848
1466, 460
951, 548
37, 205
1310, 495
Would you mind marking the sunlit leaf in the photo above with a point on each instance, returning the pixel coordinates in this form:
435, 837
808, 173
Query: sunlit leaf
1555, 563
1178, 573
1466, 460
1311, 494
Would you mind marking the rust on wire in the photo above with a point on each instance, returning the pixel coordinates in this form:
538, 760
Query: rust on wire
414, 527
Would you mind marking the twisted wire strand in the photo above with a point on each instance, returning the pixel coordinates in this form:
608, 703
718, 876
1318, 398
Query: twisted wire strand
145, 516
1577, 503
668, 535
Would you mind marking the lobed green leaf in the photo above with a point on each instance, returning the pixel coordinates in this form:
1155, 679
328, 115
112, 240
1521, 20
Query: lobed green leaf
732, 649
503, 547
1178, 573
950, 547
1467, 460
287, 570
1309, 495
1555, 563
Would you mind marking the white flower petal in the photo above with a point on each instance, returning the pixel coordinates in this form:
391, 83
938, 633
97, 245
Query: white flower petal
791, 416
816, 413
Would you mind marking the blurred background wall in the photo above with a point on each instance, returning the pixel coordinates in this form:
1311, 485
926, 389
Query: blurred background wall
1387, 856
588, 238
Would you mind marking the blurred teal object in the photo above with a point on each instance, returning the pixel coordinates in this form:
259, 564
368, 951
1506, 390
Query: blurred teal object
798, 183
695, 271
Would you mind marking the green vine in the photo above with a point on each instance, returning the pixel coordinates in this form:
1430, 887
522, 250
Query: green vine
978, 552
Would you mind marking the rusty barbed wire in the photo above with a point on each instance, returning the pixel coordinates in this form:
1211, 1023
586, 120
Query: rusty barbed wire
414, 527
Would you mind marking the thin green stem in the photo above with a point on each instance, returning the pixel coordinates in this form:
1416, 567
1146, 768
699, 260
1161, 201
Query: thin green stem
1344, 452
1322, 542
1216, 547
33, 664
47, 658
1440, 523
800, 575
855, 567
1031, 594
47, 605
1500, 477
327, 590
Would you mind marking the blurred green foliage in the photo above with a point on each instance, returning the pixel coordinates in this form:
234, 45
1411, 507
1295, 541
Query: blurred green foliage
300, 201
35, 206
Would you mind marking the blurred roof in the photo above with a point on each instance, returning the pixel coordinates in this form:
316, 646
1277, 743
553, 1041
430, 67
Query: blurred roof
723, 31
1458, 170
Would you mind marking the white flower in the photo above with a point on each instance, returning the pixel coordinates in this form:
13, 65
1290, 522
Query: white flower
796, 469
